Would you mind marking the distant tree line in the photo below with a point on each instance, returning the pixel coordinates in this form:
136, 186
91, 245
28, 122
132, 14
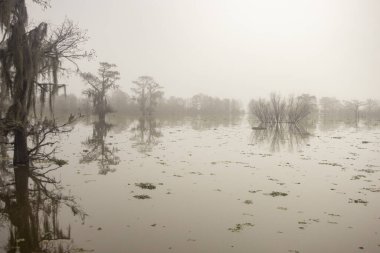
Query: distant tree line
331, 107
294, 109
147, 98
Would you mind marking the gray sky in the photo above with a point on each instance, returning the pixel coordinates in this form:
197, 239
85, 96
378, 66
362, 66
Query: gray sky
233, 48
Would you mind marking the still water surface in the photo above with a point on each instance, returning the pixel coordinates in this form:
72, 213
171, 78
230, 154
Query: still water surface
219, 187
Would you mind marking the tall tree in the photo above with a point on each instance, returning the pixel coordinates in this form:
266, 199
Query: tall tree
147, 93
30, 63
100, 85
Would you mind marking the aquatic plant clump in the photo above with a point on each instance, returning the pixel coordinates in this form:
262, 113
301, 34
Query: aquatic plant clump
148, 186
239, 227
142, 196
358, 201
277, 194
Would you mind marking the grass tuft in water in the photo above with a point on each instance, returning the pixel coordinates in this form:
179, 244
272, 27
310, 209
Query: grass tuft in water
142, 196
277, 194
358, 201
239, 227
148, 186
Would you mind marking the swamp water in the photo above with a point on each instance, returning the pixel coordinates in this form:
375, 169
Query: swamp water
216, 185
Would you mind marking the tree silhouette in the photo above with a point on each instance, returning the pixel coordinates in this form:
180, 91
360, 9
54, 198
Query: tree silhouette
30, 62
147, 93
100, 85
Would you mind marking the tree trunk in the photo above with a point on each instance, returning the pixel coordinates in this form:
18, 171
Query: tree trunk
102, 117
22, 223
21, 156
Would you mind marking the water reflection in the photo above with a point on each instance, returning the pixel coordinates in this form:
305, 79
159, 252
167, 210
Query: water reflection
204, 123
279, 136
146, 134
96, 149
30, 202
327, 124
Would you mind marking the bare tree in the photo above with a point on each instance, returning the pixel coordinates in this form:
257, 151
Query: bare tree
281, 110
300, 107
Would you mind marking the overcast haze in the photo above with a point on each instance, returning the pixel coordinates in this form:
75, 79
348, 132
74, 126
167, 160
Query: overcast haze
240, 49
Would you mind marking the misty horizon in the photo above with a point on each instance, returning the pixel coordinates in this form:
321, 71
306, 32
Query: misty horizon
240, 49
189, 126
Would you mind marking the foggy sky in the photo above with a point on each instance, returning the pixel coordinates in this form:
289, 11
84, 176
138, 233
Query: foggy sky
232, 48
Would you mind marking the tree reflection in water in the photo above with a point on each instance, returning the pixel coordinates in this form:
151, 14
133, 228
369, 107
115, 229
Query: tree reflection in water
30, 202
280, 135
98, 150
146, 134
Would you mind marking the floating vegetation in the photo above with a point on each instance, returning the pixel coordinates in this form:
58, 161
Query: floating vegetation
369, 171
277, 194
357, 177
142, 196
59, 162
282, 208
254, 191
196, 173
372, 166
148, 186
333, 215
358, 201
372, 189
248, 202
82, 250
239, 227
331, 164
258, 128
